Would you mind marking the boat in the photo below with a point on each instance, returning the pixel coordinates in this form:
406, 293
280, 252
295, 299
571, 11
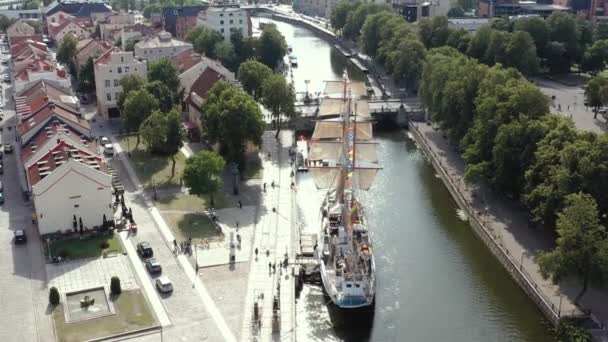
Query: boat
289, 49
342, 158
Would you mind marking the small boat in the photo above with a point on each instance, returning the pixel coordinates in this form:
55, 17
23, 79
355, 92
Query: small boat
289, 49
293, 61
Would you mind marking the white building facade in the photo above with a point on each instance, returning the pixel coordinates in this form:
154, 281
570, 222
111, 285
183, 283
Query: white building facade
159, 46
110, 68
225, 20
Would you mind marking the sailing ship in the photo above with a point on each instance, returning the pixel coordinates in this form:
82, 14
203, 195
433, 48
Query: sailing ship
343, 159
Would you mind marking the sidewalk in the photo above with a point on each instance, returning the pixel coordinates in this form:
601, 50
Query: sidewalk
272, 238
509, 225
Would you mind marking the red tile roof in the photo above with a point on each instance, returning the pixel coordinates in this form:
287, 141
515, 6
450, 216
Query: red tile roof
185, 60
36, 95
16, 40
106, 56
38, 66
204, 83
56, 110
50, 129
59, 155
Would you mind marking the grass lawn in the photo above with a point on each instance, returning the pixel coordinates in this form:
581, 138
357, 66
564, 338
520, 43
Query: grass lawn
132, 313
152, 168
196, 226
86, 248
190, 202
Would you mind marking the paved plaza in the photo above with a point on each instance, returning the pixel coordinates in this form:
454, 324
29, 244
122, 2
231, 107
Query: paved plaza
88, 273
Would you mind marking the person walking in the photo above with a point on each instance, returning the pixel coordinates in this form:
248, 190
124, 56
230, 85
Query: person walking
256, 253
240, 204
269, 267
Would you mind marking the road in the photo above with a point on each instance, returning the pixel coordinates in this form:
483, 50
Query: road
23, 279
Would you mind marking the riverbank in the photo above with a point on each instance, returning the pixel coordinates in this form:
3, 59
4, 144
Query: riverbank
504, 228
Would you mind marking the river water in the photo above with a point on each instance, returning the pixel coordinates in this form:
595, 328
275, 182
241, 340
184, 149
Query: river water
436, 280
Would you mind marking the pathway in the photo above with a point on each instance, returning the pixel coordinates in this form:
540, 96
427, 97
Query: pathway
272, 238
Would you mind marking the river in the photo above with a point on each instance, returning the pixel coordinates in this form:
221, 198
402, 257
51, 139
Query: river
436, 280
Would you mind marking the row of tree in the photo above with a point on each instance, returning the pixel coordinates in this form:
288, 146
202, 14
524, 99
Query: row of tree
502, 126
269, 49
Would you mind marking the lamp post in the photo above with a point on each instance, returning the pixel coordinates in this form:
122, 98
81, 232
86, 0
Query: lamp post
234, 169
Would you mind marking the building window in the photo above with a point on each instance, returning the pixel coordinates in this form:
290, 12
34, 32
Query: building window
122, 59
222, 30
109, 97
231, 21
116, 95
240, 21
116, 83
230, 14
126, 70
120, 70
221, 22
221, 14
145, 52
107, 83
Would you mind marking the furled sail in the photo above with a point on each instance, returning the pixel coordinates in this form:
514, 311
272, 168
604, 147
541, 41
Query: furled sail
332, 150
336, 88
335, 107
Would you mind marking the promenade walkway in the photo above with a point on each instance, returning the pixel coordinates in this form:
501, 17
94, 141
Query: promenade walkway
272, 239
509, 226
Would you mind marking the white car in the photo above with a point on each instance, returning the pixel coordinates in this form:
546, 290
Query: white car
163, 284
105, 140
108, 149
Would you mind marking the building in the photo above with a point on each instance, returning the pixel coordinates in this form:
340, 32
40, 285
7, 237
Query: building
499, 8
96, 10
20, 28
89, 48
159, 46
225, 20
180, 20
79, 30
196, 83
113, 24
29, 14
26, 53
110, 68
468, 24
40, 69
185, 60
38, 94
414, 10
135, 33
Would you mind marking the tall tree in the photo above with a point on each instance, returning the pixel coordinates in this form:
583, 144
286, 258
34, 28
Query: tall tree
86, 77
563, 29
356, 18
67, 51
433, 32
596, 93
480, 42
582, 247
271, 46
224, 51
339, 14
129, 83
153, 131
206, 40
279, 98
251, 75
175, 136
162, 93
165, 71
232, 118
521, 53
138, 105
203, 174
243, 47
536, 28
407, 61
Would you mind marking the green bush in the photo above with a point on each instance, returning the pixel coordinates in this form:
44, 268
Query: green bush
115, 286
54, 296
104, 244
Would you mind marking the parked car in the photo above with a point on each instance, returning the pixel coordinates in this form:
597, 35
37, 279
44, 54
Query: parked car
108, 149
83, 100
1, 187
20, 237
1, 169
153, 266
145, 250
8, 148
163, 284
1, 198
104, 141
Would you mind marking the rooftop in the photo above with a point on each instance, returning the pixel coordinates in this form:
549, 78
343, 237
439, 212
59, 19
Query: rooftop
186, 60
57, 130
37, 94
56, 110
163, 39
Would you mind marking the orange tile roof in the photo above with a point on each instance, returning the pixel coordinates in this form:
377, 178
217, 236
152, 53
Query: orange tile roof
37, 94
42, 136
65, 114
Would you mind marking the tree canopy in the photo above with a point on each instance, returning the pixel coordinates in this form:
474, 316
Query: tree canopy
232, 119
138, 105
129, 83
67, 51
271, 47
596, 93
279, 98
203, 173
252, 74
162, 93
86, 77
164, 71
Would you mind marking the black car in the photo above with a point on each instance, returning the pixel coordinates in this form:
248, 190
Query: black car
8, 148
20, 237
144, 250
153, 266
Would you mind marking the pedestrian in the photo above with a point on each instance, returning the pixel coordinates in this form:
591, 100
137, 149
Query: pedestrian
175, 248
240, 204
272, 184
269, 267
274, 267
256, 253
264, 186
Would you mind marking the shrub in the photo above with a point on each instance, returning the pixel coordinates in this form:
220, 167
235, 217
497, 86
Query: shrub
54, 296
105, 244
115, 286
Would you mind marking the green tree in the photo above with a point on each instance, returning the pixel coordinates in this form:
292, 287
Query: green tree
279, 98
175, 136
371, 33
582, 247
5, 22
138, 105
115, 286
407, 61
54, 296
497, 49
459, 39
204, 40
252, 75
129, 83
356, 18
162, 93
594, 59
203, 174
271, 47
601, 30
30, 4
563, 29
536, 28
164, 70
596, 93
67, 51
86, 77
433, 32
231, 118
501, 24
224, 51
150, 9
153, 132
339, 14
480, 42
521, 53
243, 47
456, 12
